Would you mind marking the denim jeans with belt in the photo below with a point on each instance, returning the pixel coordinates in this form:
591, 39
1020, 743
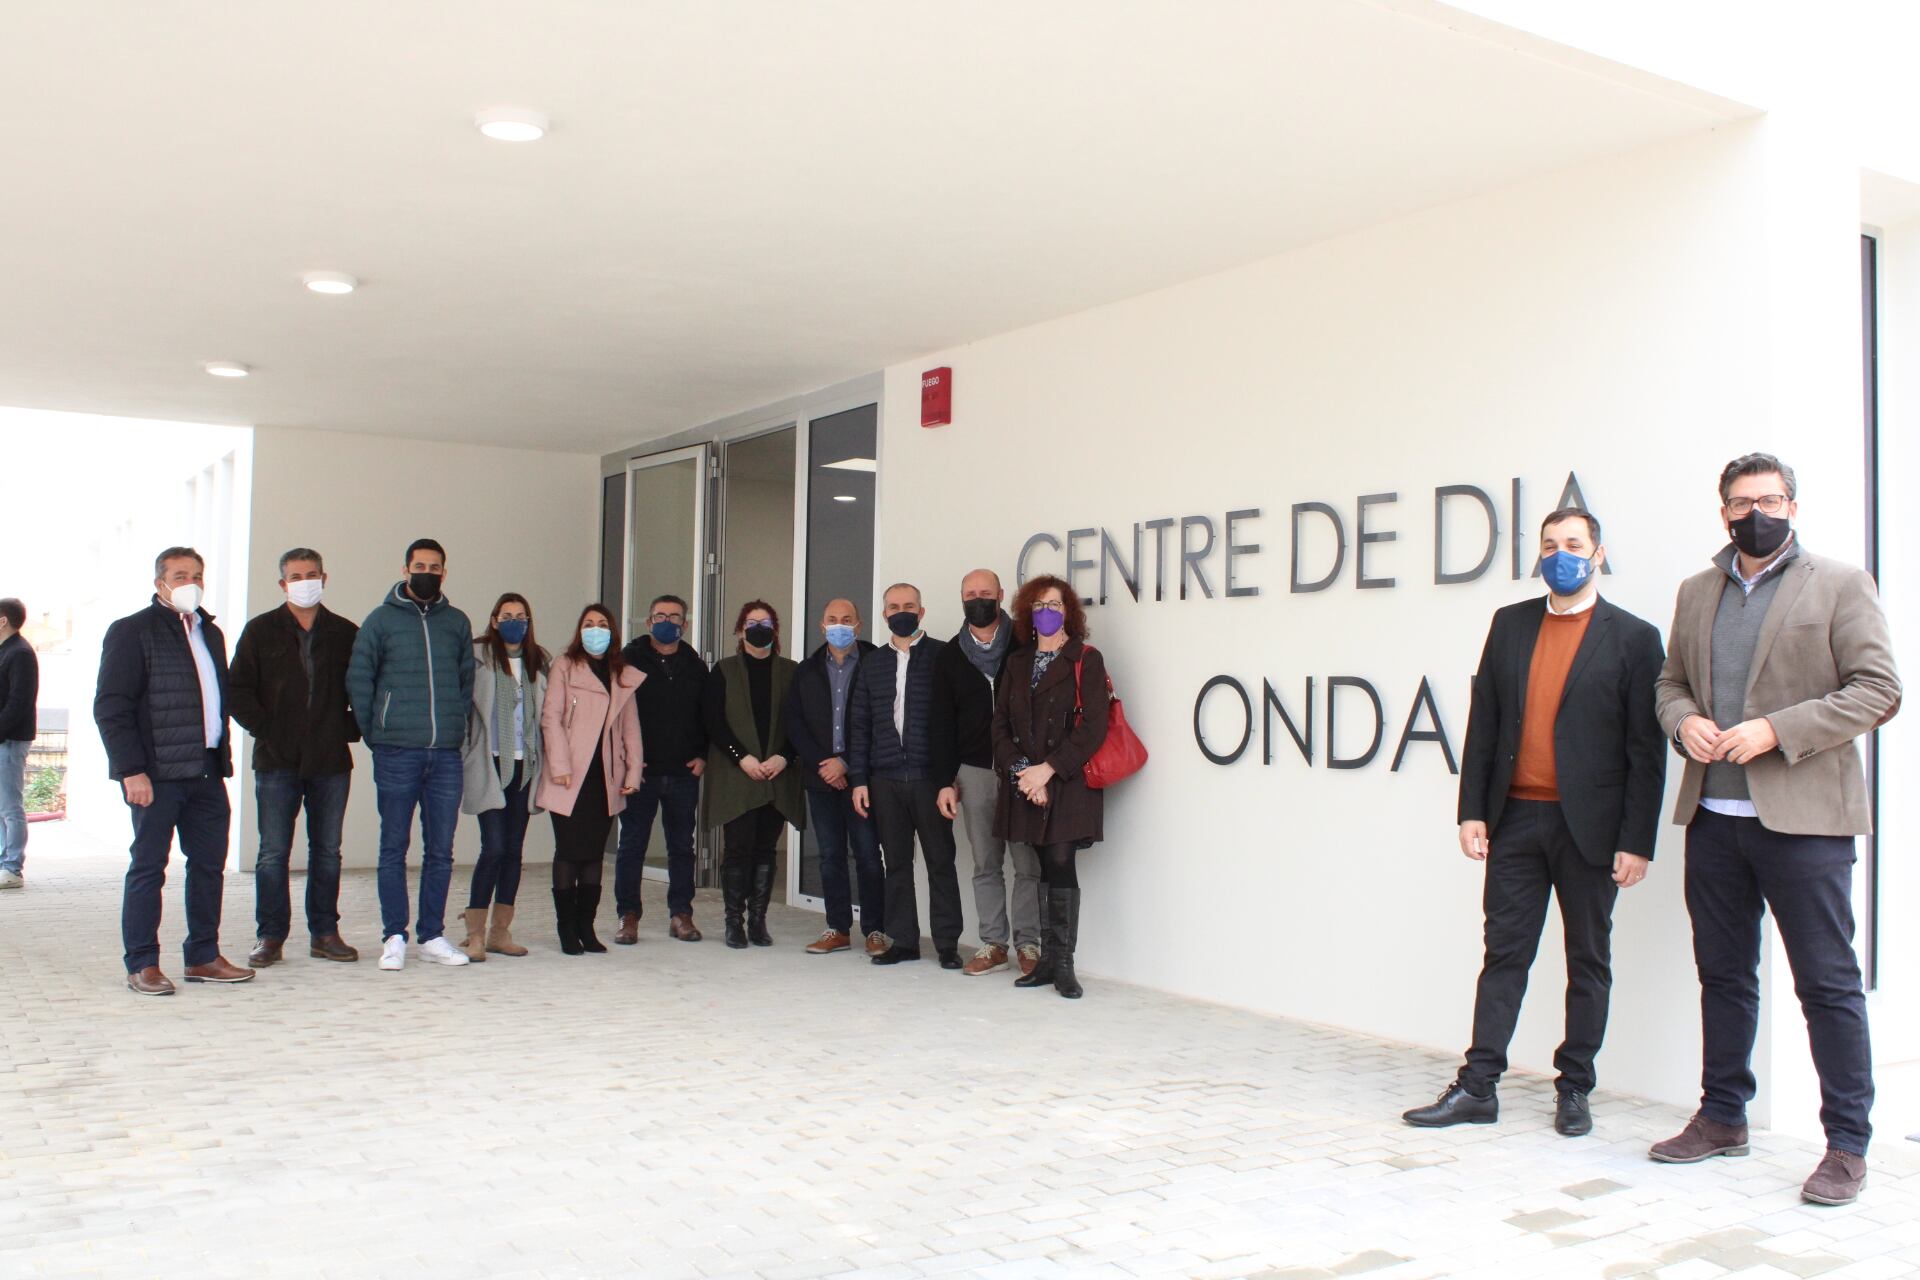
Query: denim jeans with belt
279, 794
430, 780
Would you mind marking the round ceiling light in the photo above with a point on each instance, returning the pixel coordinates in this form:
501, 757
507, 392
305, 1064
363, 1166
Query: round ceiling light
334, 282
226, 368
511, 124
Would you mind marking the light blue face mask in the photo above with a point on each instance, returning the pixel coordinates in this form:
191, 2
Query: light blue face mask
841, 636
1565, 573
595, 640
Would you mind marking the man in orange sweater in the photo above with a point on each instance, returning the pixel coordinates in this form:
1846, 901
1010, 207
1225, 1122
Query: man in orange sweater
1560, 787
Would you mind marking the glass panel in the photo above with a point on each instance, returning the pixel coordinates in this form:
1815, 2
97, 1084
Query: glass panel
664, 555
841, 472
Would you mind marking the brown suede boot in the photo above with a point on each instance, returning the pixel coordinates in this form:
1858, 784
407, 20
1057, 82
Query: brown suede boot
1700, 1140
475, 947
1838, 1179
499, 938
629, 929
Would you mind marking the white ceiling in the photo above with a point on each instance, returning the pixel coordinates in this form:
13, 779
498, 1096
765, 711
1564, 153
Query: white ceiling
739, 200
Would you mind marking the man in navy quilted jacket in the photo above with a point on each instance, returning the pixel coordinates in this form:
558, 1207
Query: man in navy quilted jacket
410, 682
161, 709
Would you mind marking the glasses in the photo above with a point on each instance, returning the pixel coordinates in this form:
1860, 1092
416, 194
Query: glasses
1770, 503
661, 615
1058, 606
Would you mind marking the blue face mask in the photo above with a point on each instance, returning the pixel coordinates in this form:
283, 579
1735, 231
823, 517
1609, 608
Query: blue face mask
841, 636
667, 632
1565, 573
512, 630
595, 640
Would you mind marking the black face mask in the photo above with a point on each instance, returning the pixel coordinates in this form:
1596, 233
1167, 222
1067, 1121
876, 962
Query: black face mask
759, 635
981, 613
903, 624
1759, 534
424, 586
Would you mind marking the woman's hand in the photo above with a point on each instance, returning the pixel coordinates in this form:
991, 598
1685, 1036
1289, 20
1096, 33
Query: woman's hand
751, 766
772, 768
627, 791
563, 780
1033, 782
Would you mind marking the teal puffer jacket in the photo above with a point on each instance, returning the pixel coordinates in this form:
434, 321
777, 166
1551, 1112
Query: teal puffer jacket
411, 676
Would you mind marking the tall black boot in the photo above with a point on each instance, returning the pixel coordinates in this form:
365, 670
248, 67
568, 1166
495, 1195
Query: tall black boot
563, 919
1063, 910
757, 904
586, 902
733, 891
1042, 975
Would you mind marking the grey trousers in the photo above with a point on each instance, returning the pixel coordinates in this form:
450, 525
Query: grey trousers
979, 791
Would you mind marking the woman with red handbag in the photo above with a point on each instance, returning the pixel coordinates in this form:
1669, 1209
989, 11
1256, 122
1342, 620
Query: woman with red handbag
1042, 739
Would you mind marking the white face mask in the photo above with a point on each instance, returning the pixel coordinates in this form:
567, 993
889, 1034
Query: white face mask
185, 598
307, 592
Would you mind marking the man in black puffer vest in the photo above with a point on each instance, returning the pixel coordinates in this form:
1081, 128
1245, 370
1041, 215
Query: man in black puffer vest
890, 762
161, 709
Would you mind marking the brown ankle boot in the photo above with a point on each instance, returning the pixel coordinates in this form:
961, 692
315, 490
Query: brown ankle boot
475, 947
499, 939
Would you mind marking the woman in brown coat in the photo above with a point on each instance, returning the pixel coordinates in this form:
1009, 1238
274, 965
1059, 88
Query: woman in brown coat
1043, 734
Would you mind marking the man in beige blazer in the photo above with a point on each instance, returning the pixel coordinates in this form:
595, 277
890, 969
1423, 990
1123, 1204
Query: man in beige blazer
1777, 662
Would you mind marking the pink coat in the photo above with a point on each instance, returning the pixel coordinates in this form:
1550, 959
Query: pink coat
574, 712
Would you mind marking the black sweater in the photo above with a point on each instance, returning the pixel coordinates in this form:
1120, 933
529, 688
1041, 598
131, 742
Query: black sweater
673, 727
19, 689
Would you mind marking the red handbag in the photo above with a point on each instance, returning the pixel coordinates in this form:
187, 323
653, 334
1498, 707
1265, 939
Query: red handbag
1120, 754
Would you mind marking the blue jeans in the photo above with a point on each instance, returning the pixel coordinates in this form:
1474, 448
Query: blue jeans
279, 794
197, 809
836, 827
13, 805
503, 836
677, 800
405, 778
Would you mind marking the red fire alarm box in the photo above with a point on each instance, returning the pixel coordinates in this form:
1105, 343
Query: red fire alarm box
936, 397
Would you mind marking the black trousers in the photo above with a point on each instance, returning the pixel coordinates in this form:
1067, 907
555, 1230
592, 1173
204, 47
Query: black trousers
901, 811
1736, 868
1531, 857
752, 837
196, 810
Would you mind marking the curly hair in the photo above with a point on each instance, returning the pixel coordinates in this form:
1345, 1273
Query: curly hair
740, 623
1032, 590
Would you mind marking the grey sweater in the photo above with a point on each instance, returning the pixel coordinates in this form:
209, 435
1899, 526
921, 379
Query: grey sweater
1736, 633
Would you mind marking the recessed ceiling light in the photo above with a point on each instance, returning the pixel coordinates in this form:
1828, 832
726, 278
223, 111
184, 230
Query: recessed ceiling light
844, 497
511, 124
852, 464
329, 282
226, 368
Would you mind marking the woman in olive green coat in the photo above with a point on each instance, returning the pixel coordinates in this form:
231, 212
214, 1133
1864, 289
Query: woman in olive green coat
753, 791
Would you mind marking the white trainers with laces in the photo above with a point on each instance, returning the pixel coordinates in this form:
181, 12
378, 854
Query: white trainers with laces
11, 880
440, 951
394, 954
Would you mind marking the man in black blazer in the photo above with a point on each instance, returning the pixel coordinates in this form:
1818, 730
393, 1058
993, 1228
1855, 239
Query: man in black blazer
1565, 764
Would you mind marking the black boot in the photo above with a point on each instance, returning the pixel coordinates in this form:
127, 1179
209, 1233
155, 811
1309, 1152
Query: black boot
1063, 915
564, 920
1042, 975
733, 890
586, 903
757, 904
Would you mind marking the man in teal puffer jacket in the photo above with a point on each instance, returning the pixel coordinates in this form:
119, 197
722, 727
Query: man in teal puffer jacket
411, 683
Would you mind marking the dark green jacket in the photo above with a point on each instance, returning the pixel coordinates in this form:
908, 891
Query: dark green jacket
730, 792
411, 676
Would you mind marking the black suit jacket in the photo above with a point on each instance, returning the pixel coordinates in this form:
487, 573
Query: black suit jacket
1610, 757
294, 726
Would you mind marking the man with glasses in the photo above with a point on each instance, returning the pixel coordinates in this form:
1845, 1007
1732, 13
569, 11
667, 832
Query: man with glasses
1779, 661
674, 739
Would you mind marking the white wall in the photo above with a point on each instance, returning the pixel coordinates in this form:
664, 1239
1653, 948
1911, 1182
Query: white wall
510, 519
1616, 321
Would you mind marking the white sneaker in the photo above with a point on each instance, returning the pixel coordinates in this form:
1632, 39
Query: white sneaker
394, 954
440, 951
11, 880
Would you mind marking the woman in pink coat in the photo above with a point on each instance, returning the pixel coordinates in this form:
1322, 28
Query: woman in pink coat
590, 749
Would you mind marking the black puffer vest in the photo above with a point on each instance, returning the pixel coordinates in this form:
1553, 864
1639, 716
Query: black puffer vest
148, 701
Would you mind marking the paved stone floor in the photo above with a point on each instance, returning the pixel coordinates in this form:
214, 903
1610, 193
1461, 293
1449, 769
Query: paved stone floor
684, 1110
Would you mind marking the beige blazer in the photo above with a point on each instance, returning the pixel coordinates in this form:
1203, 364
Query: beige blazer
1822, 673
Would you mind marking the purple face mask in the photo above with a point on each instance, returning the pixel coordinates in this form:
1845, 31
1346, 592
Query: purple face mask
1048, 621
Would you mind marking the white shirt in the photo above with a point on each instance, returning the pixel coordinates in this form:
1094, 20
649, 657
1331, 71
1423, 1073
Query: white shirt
1582, 607
903, 658
210, 709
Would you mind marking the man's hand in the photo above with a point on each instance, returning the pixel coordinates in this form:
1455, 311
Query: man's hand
1698, 735
1473, 840
138, 788
697, 765
1746, 741
948, 802
833, 772
1629, 869
860, 801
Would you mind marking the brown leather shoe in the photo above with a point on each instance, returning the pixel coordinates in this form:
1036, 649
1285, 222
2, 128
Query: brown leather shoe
830, 941
265, 951
1029, 953
878, 943
1701, 1140
329, 946
986, 960
1838, 1179
149, 982
629, 929
681, 927
218, 970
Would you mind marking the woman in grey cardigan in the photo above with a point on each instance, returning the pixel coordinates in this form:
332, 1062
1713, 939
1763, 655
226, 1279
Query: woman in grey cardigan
501, 756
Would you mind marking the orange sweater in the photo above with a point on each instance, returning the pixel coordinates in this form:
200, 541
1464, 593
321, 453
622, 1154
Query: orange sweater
1534, 776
